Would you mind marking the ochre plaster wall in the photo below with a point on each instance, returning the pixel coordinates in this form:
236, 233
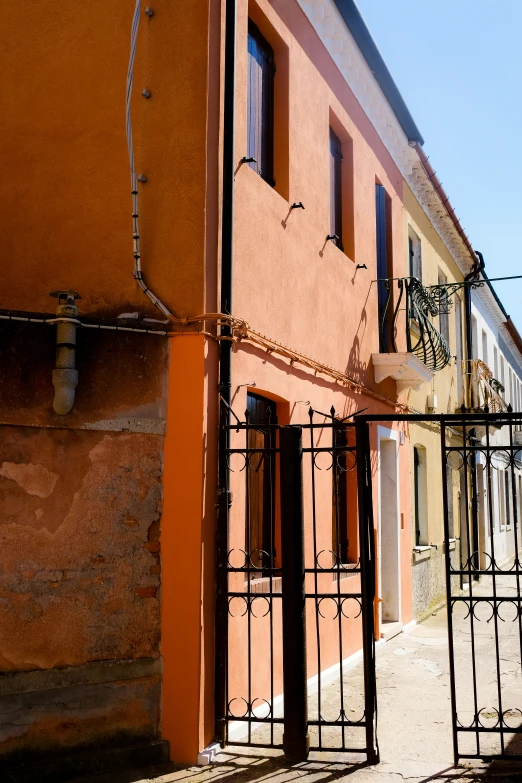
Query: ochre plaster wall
428, 568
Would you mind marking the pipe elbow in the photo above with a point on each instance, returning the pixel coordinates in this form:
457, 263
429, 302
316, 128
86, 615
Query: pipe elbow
65, 382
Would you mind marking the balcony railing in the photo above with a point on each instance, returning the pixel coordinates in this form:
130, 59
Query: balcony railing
482, 391
414, 308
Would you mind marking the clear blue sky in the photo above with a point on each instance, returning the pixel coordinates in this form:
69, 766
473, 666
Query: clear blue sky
458, 65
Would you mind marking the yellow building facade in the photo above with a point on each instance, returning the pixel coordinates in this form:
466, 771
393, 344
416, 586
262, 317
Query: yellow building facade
429, 259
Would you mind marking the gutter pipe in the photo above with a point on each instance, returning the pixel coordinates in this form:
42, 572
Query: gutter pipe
475, 272
225, 373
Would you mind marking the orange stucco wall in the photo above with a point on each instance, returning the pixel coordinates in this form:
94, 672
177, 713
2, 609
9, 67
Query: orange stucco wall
66, 185
292, 286
66, 224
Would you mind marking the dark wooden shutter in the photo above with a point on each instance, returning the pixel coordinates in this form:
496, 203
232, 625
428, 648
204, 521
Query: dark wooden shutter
336, 206
382, 265
340, 499
260, 112
416, 479
261, 482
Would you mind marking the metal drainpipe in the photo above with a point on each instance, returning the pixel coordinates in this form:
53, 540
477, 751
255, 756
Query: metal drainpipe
65, 375
469, 353
225, 373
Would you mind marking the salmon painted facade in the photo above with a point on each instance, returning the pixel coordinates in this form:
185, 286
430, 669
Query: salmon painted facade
282, 267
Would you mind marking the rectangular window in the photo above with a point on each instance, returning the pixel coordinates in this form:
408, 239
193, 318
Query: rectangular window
495, 363
340, 498
260, 516
474, 338
420, 496
501, 499
260, 111
449, 491
415, 257
507, 484
384, 263
345, 517
460, 352
336, 202
444, 310
484, 347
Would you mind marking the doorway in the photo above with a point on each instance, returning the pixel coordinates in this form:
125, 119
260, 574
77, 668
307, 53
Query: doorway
389, 530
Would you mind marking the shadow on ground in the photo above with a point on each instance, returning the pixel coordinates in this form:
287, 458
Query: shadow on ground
246, 766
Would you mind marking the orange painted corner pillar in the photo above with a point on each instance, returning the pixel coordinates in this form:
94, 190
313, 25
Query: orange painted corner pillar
187, 597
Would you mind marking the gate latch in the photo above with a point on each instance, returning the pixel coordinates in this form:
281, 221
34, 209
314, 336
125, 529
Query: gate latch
221, 499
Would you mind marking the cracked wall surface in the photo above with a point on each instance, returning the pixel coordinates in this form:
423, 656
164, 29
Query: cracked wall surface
80, 546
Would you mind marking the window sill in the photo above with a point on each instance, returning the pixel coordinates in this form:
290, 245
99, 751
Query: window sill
342, 251
421, 553
262, 585
452, 544
346, 571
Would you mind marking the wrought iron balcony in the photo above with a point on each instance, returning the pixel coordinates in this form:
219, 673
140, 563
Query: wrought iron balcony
419, 304
406, 319
482, 391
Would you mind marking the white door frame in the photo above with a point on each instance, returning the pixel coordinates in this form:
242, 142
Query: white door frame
385, 434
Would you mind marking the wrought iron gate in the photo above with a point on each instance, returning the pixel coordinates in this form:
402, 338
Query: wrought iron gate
296, 593
482, 454
483, 591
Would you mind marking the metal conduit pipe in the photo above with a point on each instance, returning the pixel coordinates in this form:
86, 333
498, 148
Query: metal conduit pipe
65, 374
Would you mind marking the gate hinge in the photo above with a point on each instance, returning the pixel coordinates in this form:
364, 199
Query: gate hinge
223, 497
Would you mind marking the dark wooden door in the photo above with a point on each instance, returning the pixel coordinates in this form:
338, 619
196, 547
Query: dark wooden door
261, 481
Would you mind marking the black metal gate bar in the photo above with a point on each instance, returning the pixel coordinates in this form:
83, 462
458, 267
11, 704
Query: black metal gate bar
367, 548
448, 590
296, 739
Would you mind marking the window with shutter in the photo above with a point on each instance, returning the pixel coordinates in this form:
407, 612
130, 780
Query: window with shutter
444, 310
336, 204
260, 517
382, 266
260, 112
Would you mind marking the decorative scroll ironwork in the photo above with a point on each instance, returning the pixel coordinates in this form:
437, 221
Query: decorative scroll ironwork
443, 292
419, 305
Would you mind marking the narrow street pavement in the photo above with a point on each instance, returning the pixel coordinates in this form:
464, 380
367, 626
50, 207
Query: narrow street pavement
414, 722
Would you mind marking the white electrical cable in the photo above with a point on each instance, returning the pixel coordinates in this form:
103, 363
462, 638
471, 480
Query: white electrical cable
134, 179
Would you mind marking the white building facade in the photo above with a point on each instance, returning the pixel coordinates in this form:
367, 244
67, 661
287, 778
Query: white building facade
495, 374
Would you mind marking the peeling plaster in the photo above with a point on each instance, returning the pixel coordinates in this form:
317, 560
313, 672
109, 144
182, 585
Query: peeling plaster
34, 479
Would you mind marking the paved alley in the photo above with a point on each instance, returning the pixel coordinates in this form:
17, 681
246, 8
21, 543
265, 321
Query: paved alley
414, 718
